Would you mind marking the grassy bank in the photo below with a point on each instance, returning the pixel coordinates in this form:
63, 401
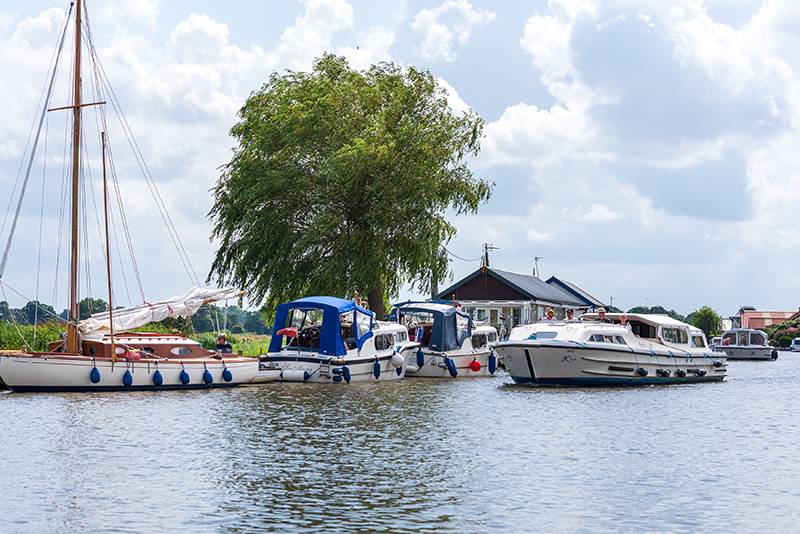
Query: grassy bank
14, 337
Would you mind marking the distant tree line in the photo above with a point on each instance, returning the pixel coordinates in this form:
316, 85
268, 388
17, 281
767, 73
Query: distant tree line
209, 318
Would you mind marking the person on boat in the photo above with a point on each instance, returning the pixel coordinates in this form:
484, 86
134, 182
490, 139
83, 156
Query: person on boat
601, 316
570, 314
223, 345
623, 320
551, 315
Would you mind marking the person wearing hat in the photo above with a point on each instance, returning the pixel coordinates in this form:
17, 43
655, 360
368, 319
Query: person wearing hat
601, 316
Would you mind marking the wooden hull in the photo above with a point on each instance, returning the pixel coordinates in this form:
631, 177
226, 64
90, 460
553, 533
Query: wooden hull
539, 363
46, 372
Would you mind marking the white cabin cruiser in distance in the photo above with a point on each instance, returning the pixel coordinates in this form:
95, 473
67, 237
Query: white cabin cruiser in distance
333, 340
451, 344
652, 349
746, 344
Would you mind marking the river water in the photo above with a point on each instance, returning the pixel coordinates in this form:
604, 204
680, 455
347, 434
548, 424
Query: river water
440, 456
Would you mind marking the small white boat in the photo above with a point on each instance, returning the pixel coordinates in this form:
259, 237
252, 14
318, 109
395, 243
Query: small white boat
652, 349
746, 344
450, 343
332, 340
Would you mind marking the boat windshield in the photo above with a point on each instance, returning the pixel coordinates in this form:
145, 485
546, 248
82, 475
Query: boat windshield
675, 335
698, 342
300, 318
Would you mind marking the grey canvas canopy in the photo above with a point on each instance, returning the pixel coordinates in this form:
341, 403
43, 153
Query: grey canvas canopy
445, 334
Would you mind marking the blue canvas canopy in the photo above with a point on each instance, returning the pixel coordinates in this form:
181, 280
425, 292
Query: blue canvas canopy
331, 342
445, 334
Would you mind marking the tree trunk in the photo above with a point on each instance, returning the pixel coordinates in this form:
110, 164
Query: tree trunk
375, 301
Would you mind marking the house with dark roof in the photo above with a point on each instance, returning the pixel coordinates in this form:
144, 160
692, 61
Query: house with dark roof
491, 294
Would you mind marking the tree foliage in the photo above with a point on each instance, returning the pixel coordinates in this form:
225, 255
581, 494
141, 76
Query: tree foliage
340, 182
658, 310
706, 320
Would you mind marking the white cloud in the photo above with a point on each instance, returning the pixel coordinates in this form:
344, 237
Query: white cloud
456, 103
312, 33
539, 237
443, 26
373, 47
10, 150
596, 213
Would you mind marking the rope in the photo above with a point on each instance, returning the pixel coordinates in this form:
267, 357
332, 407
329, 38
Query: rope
35, 144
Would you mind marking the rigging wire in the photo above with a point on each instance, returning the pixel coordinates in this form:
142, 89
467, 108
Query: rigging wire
54, 62
145, 170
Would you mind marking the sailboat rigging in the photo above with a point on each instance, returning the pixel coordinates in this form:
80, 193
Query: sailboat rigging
87, 358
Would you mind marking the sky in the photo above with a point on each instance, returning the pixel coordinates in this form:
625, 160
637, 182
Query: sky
647, 151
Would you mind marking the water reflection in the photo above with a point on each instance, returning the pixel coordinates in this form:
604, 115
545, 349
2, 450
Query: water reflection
414, 456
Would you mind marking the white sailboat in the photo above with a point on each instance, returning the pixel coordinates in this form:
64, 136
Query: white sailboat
102, 353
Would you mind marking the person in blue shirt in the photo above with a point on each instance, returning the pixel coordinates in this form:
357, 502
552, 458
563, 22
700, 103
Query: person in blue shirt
223, 345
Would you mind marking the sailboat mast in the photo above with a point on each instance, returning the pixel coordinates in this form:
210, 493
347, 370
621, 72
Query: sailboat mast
72, 326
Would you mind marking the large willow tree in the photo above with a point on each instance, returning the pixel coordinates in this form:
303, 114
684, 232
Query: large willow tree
340, 183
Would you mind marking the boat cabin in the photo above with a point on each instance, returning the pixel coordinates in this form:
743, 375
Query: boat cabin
742, 337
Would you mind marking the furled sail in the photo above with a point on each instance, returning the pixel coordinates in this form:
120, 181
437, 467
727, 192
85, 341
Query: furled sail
127, 319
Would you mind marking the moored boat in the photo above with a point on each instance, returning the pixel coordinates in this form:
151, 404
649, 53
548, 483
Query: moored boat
333, 340
100, 353
651, 349
129, 360
451, 344
746, 344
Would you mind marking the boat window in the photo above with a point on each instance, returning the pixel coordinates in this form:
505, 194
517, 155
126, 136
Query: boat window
620, 340
478, 341
698, 342
181, 351
729, 338
743, 339
674, 335
384, 341
148, 350
757, 338
546, 335
402, 336
492, 336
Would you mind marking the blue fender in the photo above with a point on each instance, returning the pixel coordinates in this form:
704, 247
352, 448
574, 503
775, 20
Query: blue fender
227, 376
207, 378
184, 377
157, 378
127, 378
94, 376
451, 366
420, 358
492, 363
376, 369
346, 374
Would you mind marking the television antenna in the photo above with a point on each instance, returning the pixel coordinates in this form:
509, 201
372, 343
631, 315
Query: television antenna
536, 263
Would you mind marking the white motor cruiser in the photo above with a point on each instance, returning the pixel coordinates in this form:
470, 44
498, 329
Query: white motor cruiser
746, 344
332, 340
651, 349
450, 343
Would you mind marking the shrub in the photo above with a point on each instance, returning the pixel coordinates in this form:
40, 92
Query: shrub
784, 341
237, 329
